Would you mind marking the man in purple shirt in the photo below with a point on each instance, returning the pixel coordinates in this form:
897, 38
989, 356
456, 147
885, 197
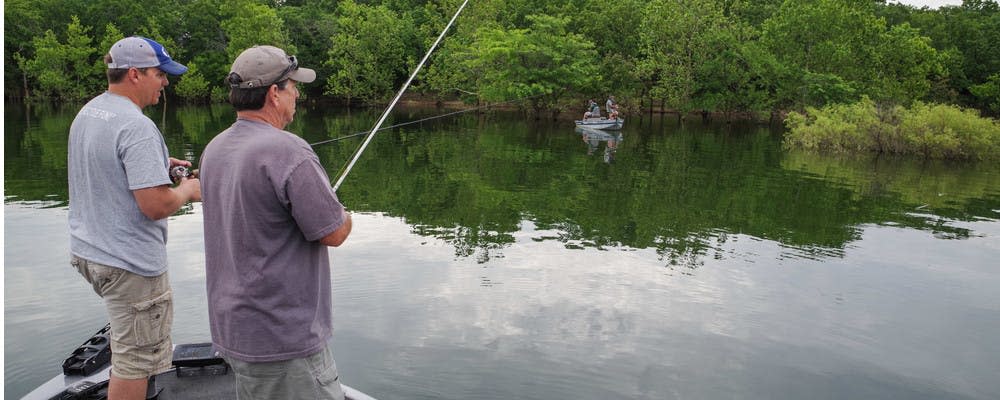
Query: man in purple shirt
270, 215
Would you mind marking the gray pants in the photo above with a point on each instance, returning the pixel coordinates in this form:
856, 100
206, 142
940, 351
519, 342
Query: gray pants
312, 377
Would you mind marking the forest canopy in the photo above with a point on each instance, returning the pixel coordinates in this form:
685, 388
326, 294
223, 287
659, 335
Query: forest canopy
685, 55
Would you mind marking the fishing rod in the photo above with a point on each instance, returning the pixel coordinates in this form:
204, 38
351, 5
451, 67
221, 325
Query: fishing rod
388, 110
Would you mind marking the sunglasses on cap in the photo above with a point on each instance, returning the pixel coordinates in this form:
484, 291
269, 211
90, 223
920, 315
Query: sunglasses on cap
291, 67
236, 81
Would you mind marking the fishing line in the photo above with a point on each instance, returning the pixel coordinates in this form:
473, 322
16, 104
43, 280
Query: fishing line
337, 139
385, 114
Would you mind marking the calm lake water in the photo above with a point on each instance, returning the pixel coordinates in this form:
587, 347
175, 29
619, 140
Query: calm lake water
497, 257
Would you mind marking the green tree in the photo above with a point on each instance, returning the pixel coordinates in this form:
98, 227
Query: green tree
203, 40
694, 58
907, 65
65, 69
310, 27
827, 39
739, 75
854, 51
445, 76
751, 12
989, 93
975, 29
367, 54
131, 17
965, 37
247, 24
25, 21
612, 29
543, 62
111, 35
442, 77
192, 85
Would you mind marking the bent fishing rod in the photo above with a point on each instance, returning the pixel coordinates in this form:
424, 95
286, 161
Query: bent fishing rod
385, 114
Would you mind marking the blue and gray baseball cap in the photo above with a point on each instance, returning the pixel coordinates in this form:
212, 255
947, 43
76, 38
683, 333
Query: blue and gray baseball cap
140, 52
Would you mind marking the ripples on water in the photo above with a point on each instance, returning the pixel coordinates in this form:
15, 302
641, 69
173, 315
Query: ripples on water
495, 258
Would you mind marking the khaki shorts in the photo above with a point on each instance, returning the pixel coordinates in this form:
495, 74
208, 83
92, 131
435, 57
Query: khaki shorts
141, 310
311, 377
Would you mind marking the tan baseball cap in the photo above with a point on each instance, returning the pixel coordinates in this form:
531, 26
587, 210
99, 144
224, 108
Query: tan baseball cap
262, 66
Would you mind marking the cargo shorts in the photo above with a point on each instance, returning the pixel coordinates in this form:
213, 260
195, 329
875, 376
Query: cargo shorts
141, 312
313, 377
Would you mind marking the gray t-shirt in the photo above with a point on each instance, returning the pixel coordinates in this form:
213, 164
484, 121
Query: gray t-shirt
267, 201
115, 149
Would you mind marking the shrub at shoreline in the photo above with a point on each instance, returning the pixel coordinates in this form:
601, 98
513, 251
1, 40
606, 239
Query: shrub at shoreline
928, 130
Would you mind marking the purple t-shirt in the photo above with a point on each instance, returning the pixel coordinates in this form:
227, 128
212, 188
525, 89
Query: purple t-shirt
267, 201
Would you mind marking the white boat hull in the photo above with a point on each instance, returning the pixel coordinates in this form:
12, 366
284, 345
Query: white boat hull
601, 123
62, 382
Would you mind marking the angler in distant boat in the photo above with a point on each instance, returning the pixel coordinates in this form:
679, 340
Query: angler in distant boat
592, 118
593, 110
611, 107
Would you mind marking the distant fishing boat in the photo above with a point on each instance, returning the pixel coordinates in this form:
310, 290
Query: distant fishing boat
196, 374
601, 123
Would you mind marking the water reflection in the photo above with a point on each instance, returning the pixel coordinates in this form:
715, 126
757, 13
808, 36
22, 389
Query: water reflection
594, 137
492, 259
473, 180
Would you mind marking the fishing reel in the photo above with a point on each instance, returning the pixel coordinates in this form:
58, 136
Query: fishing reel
179, 172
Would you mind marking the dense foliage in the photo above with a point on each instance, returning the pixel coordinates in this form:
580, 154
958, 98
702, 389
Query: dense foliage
686, 55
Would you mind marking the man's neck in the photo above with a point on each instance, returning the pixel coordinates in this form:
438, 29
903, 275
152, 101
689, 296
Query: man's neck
124, 92
261, 115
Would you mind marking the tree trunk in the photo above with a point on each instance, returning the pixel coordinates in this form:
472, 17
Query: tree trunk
24, 79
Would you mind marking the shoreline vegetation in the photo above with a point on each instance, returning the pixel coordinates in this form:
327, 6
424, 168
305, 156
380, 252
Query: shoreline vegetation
934, 131
727, 59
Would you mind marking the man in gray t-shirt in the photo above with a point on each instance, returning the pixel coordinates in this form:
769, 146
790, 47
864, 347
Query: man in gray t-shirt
270, 215
120, 195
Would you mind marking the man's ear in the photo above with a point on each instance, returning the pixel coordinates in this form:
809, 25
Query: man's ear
272, 94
